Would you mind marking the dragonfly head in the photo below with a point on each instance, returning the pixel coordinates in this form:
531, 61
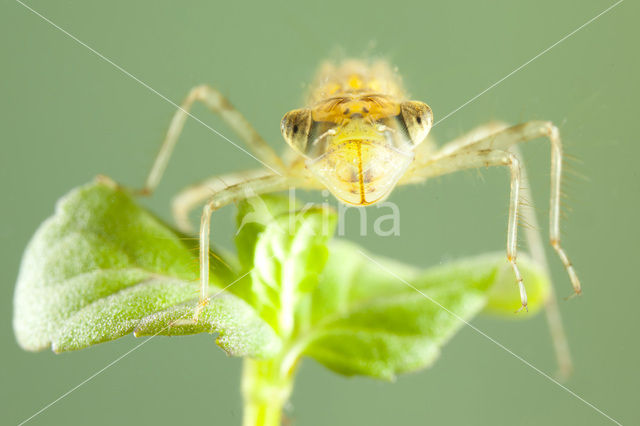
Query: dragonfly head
359, 156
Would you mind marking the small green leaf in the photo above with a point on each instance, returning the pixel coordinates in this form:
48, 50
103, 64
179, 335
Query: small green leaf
288, 250
102, 267
379, 318
253, 216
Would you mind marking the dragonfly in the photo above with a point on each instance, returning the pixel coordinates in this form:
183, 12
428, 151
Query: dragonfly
359, 137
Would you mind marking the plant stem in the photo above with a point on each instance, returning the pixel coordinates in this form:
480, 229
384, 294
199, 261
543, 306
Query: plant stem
265, 390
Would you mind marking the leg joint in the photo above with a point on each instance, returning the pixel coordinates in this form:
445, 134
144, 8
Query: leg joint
198, 93
210, 207
552, 132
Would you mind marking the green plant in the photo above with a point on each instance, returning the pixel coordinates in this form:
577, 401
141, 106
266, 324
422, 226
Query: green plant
103, 267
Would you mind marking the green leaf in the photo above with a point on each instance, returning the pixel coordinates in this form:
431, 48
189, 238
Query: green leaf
102, 267
376, 317
288, 250
254, 214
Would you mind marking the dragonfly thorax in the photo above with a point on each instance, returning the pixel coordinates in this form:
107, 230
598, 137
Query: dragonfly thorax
356, 141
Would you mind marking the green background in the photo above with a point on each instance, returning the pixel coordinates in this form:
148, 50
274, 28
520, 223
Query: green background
67, 115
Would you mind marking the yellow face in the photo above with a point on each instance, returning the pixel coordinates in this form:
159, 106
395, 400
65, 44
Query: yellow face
358, 145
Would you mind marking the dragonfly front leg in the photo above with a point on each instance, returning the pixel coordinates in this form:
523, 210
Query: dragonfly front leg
231, 194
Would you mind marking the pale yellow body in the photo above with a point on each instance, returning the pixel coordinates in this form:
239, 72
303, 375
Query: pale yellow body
358, 134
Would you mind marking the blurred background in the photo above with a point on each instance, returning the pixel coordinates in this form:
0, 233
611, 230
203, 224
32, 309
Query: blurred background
68, 115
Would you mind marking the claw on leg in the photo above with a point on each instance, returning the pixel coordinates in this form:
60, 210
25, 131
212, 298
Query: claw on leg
523, 291
575, 281
194, 318
199, 308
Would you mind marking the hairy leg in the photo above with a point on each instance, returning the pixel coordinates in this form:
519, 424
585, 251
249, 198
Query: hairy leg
487, 158
441, 163
195, 195
226, 196
482, 138
536, 250
220, 105
427, 149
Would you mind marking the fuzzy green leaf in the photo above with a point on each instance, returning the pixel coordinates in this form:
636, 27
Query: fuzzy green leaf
375, 317
102, 267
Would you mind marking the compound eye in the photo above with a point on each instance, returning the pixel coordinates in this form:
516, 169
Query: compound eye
295, 128
418, 119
